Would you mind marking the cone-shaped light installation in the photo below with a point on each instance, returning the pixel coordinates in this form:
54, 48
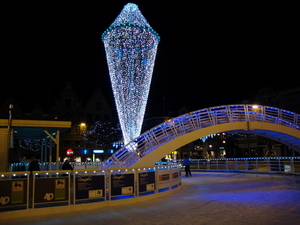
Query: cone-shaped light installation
130, 44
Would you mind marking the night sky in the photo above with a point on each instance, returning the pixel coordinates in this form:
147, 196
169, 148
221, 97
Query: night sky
211, 52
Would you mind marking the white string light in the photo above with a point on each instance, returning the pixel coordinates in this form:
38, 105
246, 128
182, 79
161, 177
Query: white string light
130, 44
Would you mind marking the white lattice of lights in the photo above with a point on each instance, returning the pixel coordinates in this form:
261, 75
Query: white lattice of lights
130, 44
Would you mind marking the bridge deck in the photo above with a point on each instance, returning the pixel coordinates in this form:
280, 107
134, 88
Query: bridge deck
206, 198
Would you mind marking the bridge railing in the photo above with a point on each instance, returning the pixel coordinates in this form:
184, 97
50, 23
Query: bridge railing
27, 192
284, 165
196, 120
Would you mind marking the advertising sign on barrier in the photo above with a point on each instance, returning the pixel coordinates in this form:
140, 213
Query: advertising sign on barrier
90, 187
146, 182
175, 177
122, 184
163, 179
51, 189
13, 192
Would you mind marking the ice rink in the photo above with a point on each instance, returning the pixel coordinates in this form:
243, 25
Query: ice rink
205, 198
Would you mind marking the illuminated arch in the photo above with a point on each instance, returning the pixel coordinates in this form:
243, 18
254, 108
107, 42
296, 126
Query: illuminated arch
277, 124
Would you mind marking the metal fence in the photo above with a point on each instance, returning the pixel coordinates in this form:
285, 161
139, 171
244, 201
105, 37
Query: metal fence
41, 189
255, 164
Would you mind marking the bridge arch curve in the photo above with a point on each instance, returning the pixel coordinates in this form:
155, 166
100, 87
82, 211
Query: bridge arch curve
277, 124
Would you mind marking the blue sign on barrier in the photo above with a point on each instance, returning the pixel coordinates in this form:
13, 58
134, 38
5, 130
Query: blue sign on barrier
122, 184
146, 182
90, 187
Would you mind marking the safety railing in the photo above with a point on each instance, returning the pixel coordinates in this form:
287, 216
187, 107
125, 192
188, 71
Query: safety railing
42, 189
256, 164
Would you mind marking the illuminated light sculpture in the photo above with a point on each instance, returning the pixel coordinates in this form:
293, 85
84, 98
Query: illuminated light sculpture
130, 44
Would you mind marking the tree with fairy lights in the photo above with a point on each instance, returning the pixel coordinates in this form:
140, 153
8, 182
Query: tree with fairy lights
34, 144
130, 44
102, 134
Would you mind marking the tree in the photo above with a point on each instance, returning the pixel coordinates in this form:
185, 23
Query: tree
102, 134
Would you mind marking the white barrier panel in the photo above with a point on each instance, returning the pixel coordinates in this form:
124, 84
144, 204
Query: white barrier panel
176, 177
163, 179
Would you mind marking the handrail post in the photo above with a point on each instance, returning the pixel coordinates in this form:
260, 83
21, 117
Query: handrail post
170, 177
256, 164
109, 184
292, 164
268, 164
136, 183
156, 180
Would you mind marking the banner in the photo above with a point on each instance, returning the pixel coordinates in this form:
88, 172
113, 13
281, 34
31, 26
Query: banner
163, 179
90, 187
176, 177
146, 182
13, 192
51, 189
122, 184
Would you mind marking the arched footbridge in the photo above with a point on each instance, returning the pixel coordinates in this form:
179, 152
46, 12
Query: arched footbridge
277, 124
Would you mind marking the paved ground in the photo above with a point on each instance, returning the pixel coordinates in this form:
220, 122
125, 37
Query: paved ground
206, 198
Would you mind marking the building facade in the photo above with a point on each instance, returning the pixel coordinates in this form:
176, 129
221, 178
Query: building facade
67, 106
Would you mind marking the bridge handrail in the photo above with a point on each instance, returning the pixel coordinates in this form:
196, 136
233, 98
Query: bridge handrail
167, 131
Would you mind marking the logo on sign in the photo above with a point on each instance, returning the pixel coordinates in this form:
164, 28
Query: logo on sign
127, 190
4, 200
60, 183
49, 196
95, 193
17, 186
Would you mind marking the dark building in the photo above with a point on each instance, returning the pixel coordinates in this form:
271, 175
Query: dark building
67, 106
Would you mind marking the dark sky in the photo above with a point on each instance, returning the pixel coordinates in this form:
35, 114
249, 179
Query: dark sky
211, 52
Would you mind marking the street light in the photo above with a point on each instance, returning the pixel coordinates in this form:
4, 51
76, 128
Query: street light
83, 128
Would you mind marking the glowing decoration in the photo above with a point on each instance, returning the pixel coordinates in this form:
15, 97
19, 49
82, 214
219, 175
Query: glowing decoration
130, 44
101, 133
208, 136
35, 144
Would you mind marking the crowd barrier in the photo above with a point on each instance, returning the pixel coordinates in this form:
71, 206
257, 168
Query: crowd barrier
283, 165
75, 190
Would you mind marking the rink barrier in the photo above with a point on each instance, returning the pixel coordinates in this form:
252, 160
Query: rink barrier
23, 194
281, 165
